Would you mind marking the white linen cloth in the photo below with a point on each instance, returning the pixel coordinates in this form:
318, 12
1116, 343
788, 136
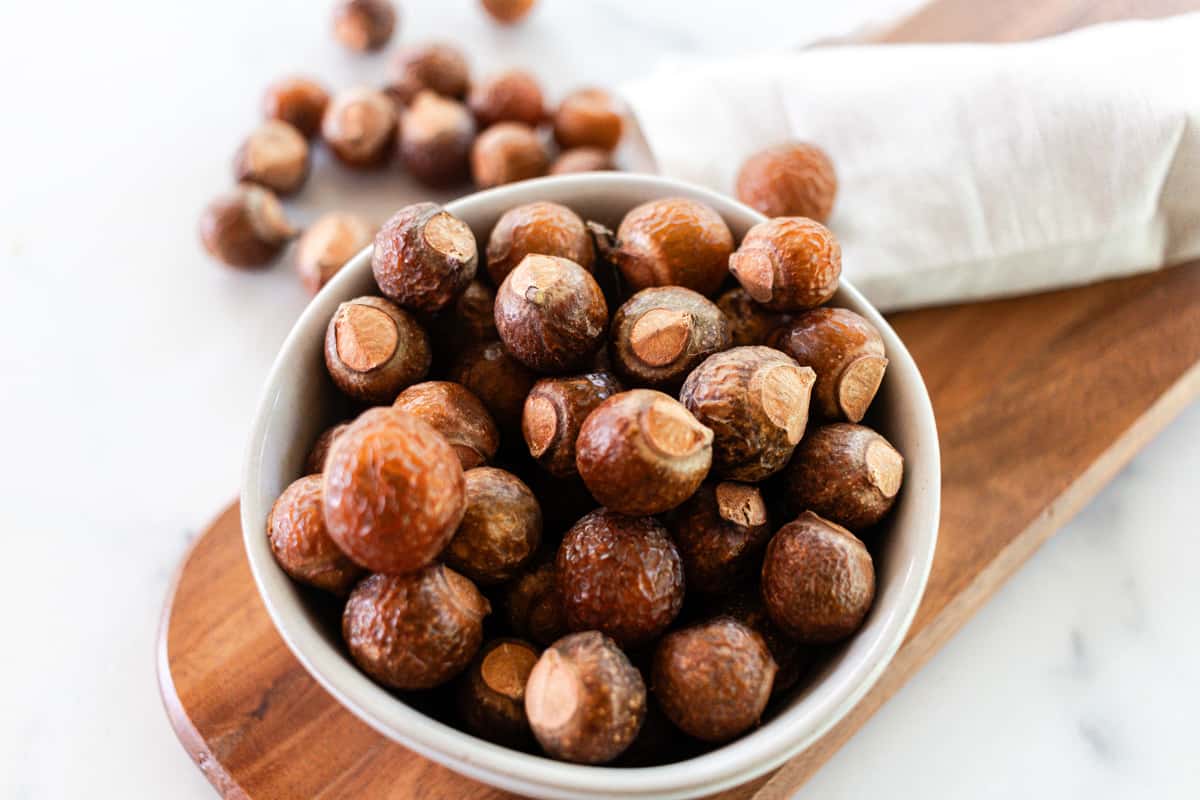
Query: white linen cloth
965, 171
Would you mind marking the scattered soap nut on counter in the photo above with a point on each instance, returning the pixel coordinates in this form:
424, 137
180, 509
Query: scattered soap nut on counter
364, 25
246, 227
326, 246
298, 101
507, 12
793, 179
274, 155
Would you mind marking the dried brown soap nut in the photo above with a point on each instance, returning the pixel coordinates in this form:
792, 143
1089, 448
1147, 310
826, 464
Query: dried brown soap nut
848, 474
500, 530
507, 12
414, 631
721, 531
360, 126
511, 96
298, 101
551, 314
818, 580
326, 246
315, 461
547, 229
505, 153
582, 159
435, 140
364, 24
642, 452
394, 491
713, 680
554, 412
793, 179
749, 323
496, 378
660, 334
621, 576
373, 349
755, 400
300, 543
437, 66
245, 227
671, 242
424, 257
588, 118
535, 608
793, 659
275, 155
451, 410
585, 702
491, 697
788, 264
847, 354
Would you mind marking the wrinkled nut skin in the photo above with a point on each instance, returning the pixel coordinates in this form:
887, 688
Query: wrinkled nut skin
551, 314
424, 257
315, 461
554, 412
360, 127
848, 474
582, 159
847, 354
414, 631
749, 323
788, 264
275, 155
245, 227
672, 242
755, 400
794, 179
660, 334
435, 140
818, 580
588, 118
793, 659
326, 246
511, 96
585, 702
491, 694
458, 415
300, 543
721, 532
298, 101
641, 452
373, 349
534, 605
508, 12
500, 530
393, 491
438, 66
364, 25
505, 153
547, 229
499, 380
621, 576
713, 680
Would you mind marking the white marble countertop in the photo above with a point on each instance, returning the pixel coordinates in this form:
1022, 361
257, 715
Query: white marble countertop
132, 364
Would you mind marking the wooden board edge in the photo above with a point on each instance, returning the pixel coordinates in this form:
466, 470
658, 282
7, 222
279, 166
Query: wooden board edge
917, 651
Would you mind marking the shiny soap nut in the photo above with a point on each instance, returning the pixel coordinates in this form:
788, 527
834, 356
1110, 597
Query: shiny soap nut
275, 155
298, 101
642, 452
435, 140
326, 246
510, 96
620, 575
534, 605
360, 127
848, 474
417, 630
437, 66
393, 491
721, 532
424, 257
541, 228
507, 12
660, 334
582, 159
499, 532
749, 323
554, 412
301, 544
588, 118
755, 400
491, 694
585, 702
458, 415
245, 227
374, 349
505, 153
788, 263
794, 660
364, 25
792, 179
499, 380
314, 462
818, 580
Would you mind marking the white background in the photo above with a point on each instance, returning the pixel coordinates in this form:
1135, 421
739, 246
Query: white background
130, 365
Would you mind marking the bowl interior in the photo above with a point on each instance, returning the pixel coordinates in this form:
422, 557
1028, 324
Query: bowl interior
299, 402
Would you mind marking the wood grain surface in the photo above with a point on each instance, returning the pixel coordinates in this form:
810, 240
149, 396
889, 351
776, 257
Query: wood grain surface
1040, 400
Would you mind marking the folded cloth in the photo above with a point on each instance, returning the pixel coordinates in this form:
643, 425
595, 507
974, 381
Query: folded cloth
965, 171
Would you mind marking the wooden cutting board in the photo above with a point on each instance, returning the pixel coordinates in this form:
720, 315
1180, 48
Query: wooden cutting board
1040, 401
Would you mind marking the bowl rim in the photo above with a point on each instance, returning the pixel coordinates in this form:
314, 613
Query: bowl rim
731, 764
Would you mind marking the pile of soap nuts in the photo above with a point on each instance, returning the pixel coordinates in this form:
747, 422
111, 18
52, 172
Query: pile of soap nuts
643, 448
444, 128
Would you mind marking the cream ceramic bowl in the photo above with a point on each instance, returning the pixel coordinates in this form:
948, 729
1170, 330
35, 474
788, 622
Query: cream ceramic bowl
297, 404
